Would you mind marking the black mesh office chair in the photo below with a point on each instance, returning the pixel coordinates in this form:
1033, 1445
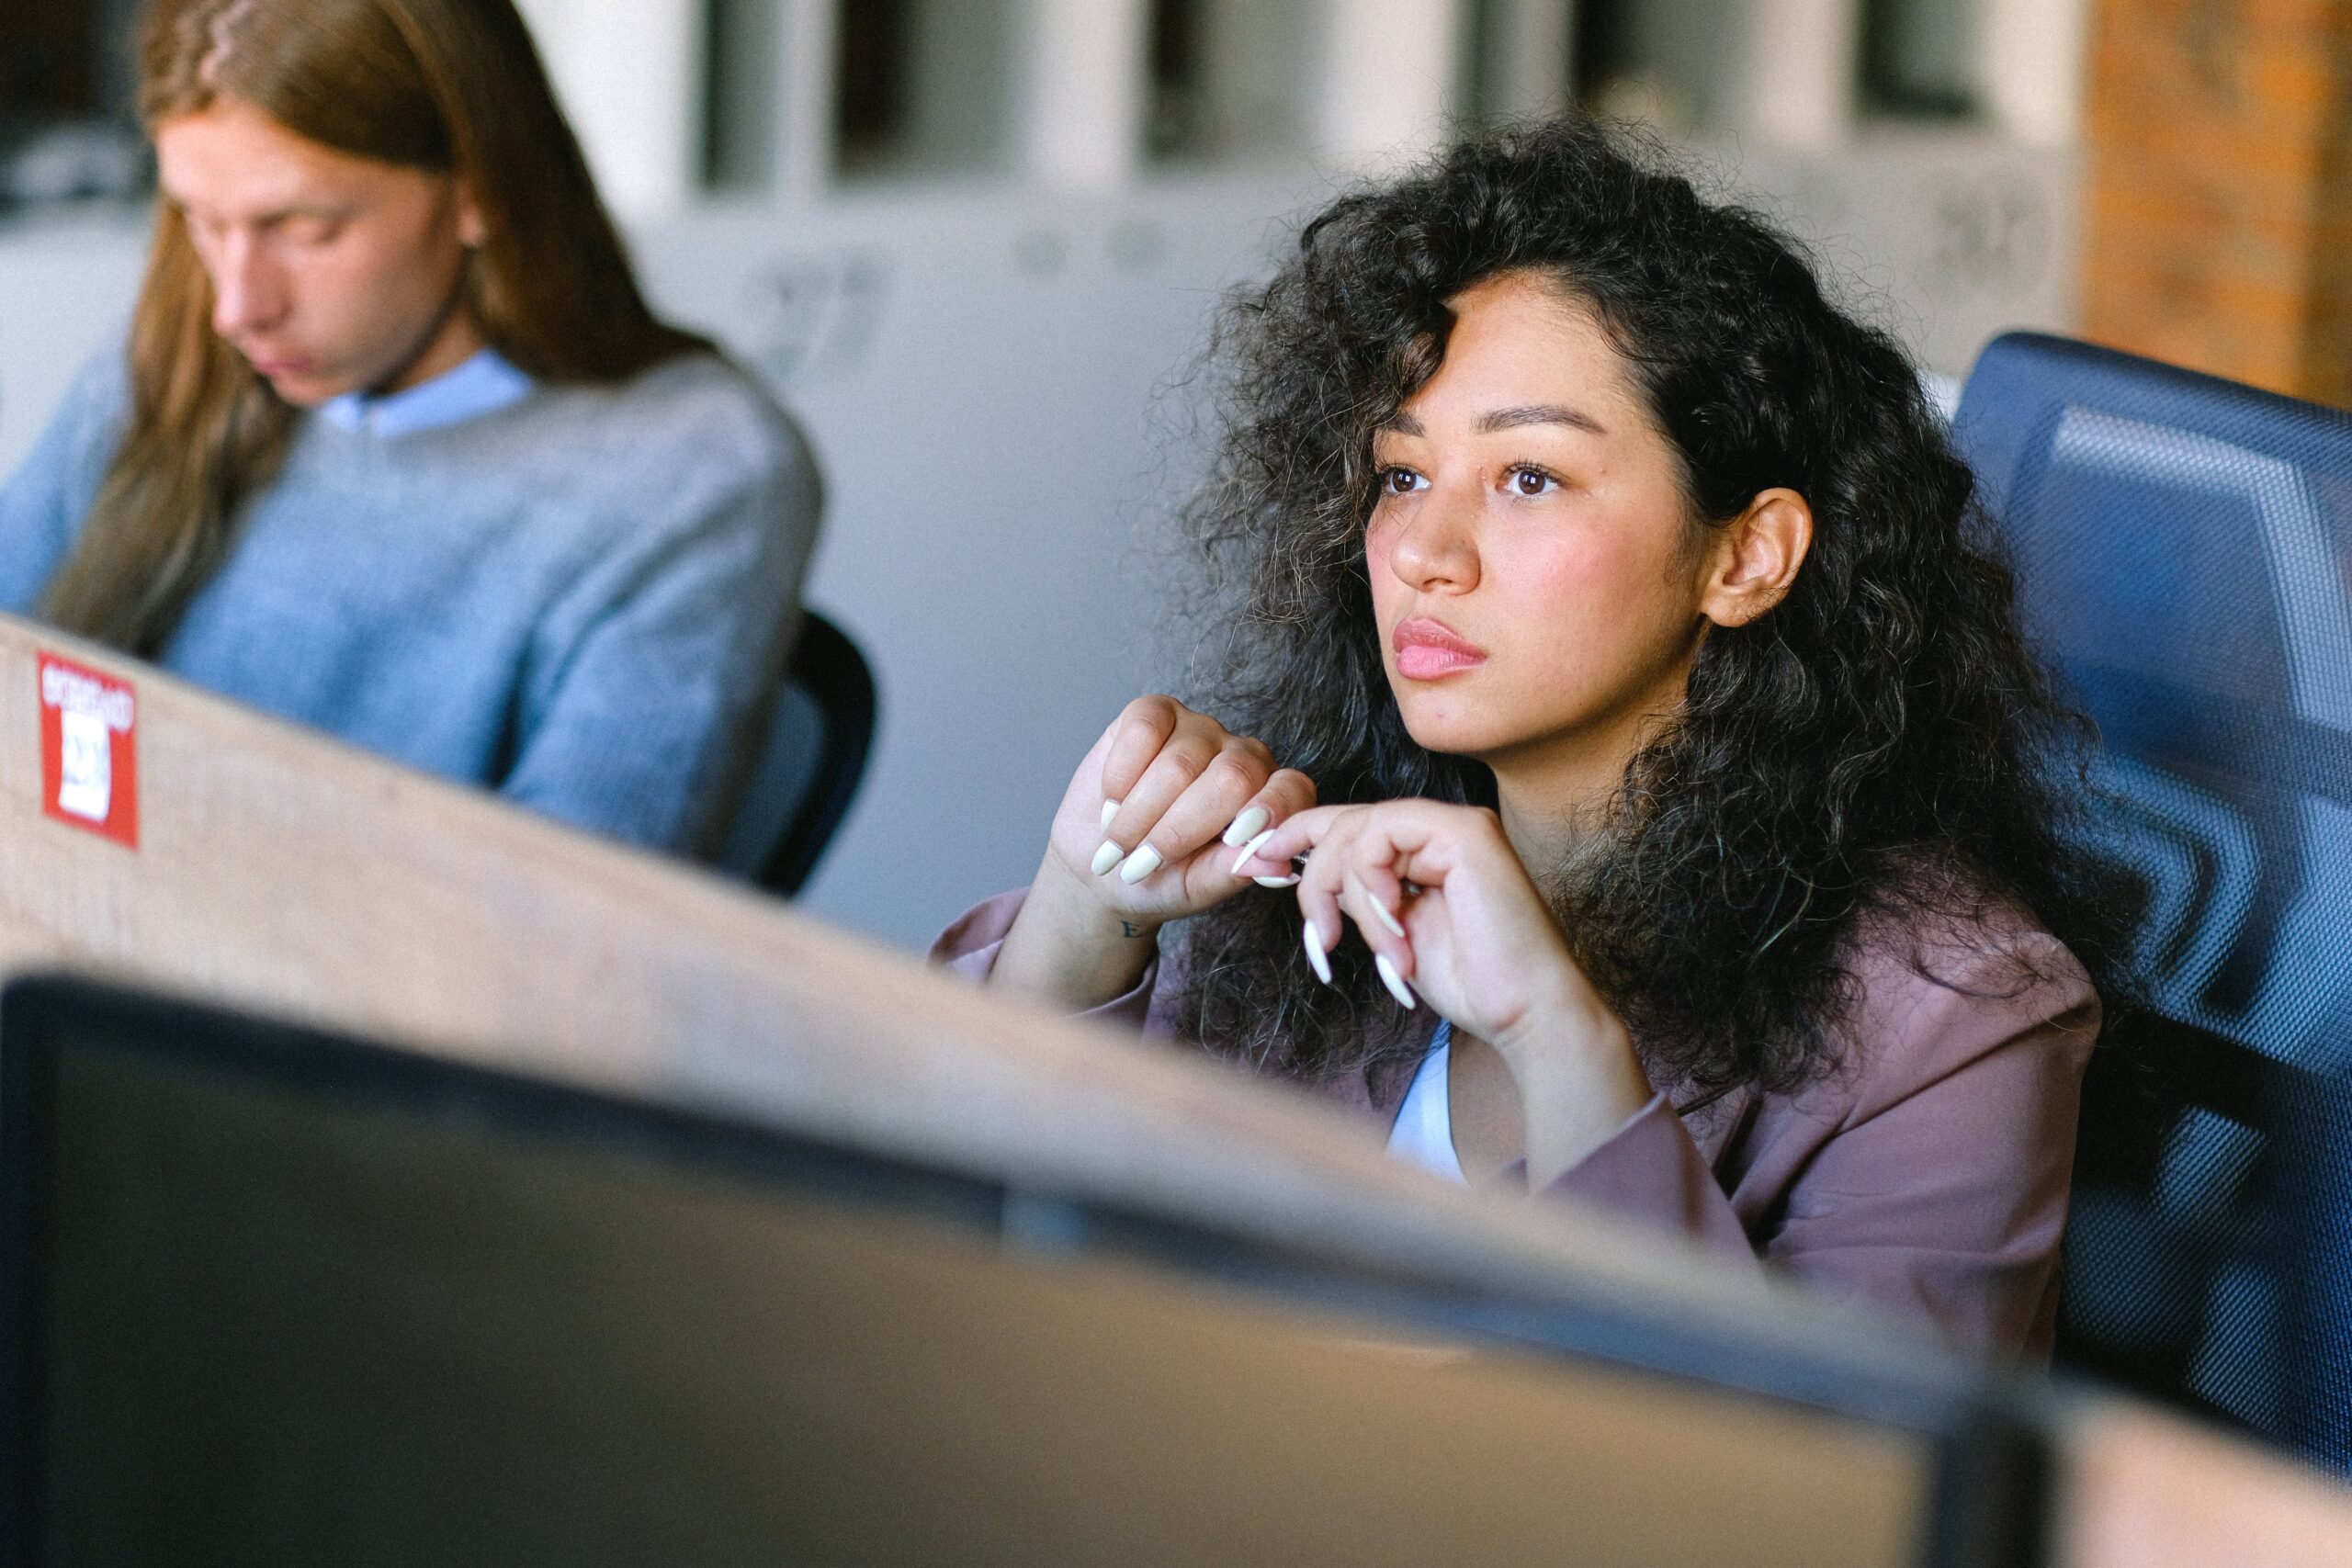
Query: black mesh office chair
810, 762
2184, 552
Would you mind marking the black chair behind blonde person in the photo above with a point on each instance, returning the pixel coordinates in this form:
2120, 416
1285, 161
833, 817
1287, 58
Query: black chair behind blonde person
2184, 548
811, 761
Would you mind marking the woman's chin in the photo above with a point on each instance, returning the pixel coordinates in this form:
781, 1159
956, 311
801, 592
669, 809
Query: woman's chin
1457, 735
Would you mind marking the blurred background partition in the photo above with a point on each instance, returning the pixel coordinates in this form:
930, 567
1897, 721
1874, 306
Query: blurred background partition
977, 244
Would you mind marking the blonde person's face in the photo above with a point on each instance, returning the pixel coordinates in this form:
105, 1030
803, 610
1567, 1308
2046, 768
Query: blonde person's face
1535, 576
330, 273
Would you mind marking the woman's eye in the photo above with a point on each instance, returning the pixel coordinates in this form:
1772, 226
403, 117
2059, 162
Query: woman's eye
1398, 481
1532, 482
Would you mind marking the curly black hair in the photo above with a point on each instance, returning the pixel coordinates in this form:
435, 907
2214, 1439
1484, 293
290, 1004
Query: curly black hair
1883, 737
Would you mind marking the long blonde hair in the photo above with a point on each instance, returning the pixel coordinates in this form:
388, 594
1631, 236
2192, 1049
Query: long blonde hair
448, 86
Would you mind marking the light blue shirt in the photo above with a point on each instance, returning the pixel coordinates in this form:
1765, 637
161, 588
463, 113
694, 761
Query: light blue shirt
484, 384
1423, 1134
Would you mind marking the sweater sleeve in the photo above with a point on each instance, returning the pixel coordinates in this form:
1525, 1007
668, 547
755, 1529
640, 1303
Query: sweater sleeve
652, 675
43, 504
969, 948
1938, 1187
1651, 1170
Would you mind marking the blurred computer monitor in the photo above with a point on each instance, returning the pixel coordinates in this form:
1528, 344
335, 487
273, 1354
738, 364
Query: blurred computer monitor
281, 1298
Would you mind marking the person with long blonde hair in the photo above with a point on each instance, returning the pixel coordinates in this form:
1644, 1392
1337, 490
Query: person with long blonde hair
396, 447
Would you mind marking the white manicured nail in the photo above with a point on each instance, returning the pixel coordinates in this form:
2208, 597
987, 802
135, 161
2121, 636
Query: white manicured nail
1315, 958
1396, 927
1250, 850
1110, 809
1290, 881
1393, 980
1247, 826
1109, 855
1140, 864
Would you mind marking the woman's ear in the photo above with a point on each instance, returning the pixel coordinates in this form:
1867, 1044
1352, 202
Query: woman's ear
471, 231
1755, 557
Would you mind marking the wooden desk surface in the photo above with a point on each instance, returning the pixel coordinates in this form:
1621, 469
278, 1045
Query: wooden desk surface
281, 871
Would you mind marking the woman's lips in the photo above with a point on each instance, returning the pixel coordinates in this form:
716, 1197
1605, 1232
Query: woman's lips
1429, 650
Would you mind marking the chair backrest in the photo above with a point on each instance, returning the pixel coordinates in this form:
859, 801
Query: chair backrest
810, 760
2184, 548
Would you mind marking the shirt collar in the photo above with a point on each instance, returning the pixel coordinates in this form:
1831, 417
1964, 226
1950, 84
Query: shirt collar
484, 384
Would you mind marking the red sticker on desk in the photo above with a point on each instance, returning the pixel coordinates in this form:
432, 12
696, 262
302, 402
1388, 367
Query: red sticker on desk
89, 756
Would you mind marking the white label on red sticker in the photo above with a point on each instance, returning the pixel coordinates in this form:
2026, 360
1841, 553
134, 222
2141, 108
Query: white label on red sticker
89, 755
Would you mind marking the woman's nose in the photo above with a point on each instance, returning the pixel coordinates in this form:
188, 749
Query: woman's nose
1436, 545
247, 293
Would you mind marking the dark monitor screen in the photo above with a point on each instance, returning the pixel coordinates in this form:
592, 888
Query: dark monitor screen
286, 1299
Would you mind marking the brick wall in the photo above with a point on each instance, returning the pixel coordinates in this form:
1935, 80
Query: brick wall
2218, 221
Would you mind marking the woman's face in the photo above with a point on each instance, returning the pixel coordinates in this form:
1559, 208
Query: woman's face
330, 273
1540, 589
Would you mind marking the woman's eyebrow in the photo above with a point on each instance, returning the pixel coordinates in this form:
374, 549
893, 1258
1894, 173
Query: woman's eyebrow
1538, 413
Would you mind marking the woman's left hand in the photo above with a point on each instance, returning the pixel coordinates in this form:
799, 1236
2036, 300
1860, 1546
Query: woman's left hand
1437, 891
1439, 895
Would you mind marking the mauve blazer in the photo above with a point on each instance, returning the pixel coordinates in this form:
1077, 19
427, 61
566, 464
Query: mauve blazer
1928, 1172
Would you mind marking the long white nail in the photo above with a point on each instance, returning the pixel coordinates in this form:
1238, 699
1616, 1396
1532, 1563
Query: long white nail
1250, 851
1393, 980
1140, 864
1396, 927
1110, 809
1109, 855
1247, 826
1290, 881
1315, 958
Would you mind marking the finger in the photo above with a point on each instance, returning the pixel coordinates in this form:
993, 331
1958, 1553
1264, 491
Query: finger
1181, 762
1134, 738
1373, 895
1392, 951
1285, 794
1202, 812
1320, 885
1416, 839
1293, 835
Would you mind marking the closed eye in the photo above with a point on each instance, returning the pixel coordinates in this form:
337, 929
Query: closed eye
310, 229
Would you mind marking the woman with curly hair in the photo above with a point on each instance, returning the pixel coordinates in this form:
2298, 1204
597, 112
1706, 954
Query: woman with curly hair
1629, 779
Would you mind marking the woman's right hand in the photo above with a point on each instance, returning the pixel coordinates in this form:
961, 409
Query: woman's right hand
1150, 830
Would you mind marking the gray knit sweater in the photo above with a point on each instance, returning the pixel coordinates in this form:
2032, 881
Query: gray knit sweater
580, 600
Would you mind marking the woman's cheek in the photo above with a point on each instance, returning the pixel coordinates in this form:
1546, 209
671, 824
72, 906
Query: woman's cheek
1575, 575
1597, 599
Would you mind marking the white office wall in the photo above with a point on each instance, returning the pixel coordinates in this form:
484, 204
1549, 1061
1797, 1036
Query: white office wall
993, 385
65, 291
629, 76
1388, 72
2031, 67
1082, 84
1790, 71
